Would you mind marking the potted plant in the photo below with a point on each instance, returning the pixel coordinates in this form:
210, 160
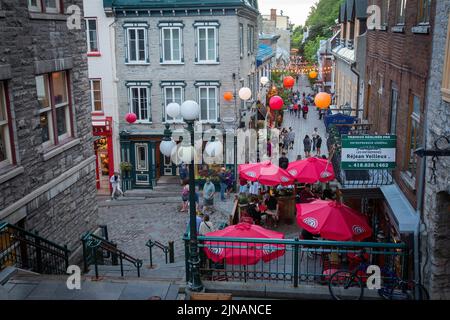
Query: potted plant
125, 168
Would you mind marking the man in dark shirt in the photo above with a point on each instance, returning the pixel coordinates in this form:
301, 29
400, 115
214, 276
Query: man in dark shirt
254, 212
283, 162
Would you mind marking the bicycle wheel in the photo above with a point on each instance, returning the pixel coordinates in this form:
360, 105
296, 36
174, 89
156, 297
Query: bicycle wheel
344, 285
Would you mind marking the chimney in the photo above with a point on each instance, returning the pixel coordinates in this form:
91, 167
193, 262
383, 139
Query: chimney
273, 14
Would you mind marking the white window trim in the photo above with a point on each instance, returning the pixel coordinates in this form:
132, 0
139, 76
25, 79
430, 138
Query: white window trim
180, 42
146, 58
208, 120
136, 146
66, 135
89, 36
51, 141
37, 8
140, 121
91, 81
165, 103
199, 61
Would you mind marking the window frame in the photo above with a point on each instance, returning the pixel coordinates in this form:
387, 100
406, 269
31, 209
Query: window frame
6, 126
250, 39
172, 87
130, 102
180, 42
445, 87
51, 111
136, 27
413, 118
401, 5
393, 115
423, 19
91, 82
385, 6
89, 36
42, 7
241, 40
208, 87
57, 9
216, 53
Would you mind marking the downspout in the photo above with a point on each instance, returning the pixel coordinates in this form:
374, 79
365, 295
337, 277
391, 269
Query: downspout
352, 68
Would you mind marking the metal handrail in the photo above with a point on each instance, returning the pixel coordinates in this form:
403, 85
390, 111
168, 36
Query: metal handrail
91, 244
167, 250
30, 251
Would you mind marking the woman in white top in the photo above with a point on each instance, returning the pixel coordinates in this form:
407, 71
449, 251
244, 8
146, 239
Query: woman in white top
206, 226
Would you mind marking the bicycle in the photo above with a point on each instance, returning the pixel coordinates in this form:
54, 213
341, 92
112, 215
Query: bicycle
349, 285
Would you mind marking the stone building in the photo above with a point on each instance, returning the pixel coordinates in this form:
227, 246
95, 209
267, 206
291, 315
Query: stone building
172, 51
435, 231
47, 164
279, 25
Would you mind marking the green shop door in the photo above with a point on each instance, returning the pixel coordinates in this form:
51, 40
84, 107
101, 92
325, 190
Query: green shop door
143, 159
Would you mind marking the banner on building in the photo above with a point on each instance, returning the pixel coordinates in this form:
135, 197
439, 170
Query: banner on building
363, 152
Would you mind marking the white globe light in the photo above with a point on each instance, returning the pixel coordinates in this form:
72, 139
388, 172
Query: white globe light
173, 110
166, 147
245, 93
214, 148
190, 110
186, 154
264, 80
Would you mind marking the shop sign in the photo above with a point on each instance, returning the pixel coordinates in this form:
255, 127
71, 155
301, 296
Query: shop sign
363, 152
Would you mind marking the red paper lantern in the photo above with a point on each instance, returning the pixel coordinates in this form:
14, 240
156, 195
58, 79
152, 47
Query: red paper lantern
288, 82
276, 103
322, 100
228, 96
131, 117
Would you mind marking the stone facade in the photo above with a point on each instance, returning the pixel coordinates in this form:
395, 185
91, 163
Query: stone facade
436, 216
231, 71
50, 190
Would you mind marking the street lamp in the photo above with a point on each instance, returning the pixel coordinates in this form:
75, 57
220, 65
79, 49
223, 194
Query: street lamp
190, 111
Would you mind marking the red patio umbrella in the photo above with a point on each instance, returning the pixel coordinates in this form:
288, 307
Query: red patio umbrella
265, 173
333, 221
311, 170
244, 253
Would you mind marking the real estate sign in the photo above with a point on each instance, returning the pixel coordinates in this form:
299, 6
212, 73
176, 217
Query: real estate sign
368, 152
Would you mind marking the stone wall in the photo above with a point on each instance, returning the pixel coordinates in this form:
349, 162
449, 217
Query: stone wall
50, 190
435, 236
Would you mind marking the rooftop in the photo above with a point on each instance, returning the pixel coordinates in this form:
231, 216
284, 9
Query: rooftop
188, 4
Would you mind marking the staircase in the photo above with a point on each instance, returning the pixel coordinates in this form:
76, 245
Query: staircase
167, 186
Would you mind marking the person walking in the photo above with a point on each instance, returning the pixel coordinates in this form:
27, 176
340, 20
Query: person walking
307, 146
305, 110
183, 173
223, 183
318, 144
115, 184
314, 137
283, 162
291, 138
209, 190
185, 197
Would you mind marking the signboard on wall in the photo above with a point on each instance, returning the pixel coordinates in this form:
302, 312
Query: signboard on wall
363, 152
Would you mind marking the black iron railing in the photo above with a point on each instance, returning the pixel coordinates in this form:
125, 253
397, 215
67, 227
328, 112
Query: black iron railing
99, 251
167, 250
27, 250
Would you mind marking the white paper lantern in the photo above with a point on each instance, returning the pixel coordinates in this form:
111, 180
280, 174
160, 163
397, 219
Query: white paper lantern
214, 148
264, 80
190, 110
166, 147
245, 93
173, 110
186, 154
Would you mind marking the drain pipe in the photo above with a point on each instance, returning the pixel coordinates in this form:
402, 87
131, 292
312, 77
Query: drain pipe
352, 68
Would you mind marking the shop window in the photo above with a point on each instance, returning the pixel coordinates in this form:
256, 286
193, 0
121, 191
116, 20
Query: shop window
54, 107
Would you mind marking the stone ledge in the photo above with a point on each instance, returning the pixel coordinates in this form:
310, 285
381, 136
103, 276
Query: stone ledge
58, 150
398, 29
47, 66
423, 29
47, 16
13, 172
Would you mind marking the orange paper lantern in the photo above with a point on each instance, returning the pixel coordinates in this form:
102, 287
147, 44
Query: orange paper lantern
228, 96
288, 82
322, 100
313, 74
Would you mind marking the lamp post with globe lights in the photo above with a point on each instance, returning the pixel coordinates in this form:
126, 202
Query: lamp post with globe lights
189, 111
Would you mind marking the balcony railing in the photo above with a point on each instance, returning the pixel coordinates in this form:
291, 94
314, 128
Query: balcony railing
303, 262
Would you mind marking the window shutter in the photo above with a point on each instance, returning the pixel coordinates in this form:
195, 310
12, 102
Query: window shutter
196, 44
161, 39
126, 45
217, 44
147, 47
